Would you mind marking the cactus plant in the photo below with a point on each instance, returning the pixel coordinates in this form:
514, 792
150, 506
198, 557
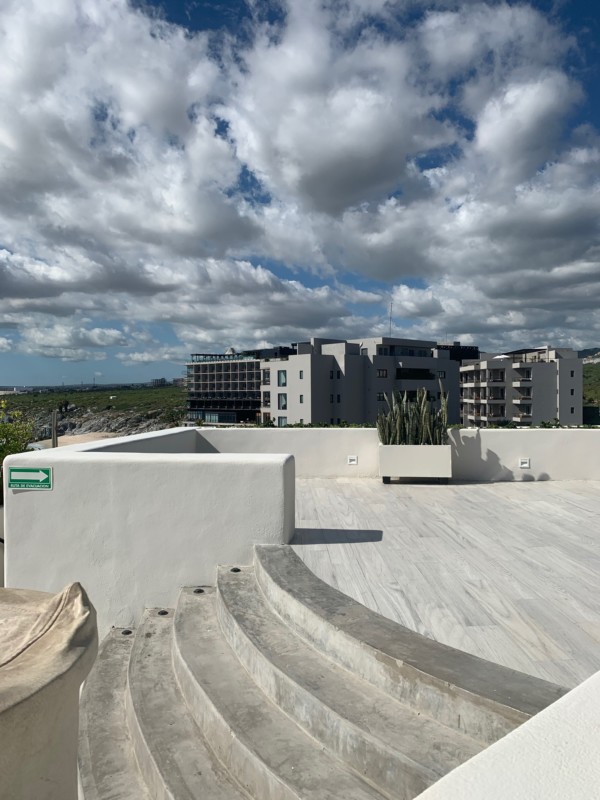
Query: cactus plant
414, 421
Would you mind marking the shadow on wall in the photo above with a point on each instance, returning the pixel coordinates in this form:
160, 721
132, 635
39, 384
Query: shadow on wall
470, 464
202, 446
334, 536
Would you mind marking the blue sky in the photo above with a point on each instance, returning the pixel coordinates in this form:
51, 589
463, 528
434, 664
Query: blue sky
180, 177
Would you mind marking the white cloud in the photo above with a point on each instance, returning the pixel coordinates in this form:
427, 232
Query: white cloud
147, 171
410, 302
518, 131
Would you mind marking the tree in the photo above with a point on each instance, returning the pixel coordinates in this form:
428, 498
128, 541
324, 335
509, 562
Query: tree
16, 431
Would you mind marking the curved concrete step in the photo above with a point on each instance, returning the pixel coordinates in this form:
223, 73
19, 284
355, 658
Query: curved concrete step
107, 766
259, 744
479, 698
395, 748
172, 753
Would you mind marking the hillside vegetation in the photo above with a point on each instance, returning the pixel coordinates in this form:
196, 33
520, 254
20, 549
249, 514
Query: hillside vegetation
591, 384
137, 399
123, 410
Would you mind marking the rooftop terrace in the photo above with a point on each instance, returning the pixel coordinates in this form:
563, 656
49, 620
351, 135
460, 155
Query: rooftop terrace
506, 571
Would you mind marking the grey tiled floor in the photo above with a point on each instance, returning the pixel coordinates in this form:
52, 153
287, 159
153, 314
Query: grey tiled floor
507, 571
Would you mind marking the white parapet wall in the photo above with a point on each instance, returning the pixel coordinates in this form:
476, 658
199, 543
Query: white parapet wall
480, 455
318, 452
525, 454
134, 526
552, 756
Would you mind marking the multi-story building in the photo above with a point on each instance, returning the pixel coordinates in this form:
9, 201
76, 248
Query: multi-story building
526, 386
333, 381
321, 381
226, 387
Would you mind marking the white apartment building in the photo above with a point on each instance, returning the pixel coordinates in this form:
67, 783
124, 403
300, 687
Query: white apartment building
321, 381
334, 381
526, 386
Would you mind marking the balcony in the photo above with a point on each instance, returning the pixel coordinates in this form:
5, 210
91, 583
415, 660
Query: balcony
522, 418
493, 399
494, 416
516, 382
523, 399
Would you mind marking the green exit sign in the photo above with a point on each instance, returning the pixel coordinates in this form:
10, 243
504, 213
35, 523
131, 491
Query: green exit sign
30, 477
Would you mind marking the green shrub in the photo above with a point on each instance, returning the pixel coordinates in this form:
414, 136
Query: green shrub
16, 431
414, 421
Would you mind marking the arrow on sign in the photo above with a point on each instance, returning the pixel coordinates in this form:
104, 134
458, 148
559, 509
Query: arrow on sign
32, 476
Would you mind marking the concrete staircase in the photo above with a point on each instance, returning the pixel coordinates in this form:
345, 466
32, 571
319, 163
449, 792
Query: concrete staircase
274, 686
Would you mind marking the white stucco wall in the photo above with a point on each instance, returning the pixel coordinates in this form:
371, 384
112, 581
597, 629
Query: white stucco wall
133, 528
553, 756
554, 454
486, 455
170, 440
318, 452
477, 455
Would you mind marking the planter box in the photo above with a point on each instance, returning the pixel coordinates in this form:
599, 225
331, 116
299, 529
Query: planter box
415, 461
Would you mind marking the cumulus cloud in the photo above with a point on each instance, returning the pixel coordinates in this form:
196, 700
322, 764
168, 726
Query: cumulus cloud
410, 302
167, 190
70, 343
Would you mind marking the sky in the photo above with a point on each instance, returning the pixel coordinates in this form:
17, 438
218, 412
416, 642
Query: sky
185, 176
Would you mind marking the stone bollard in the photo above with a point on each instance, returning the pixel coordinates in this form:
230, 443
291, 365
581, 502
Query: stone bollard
48, 644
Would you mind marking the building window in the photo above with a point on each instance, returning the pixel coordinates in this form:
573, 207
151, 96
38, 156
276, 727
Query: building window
331, 398
382, 373
441, 373
282, 402
380, 397
339, 373
266, 377
281, 422
572, 373
572, 410
301, 422
572, 392
339, 398
301, 398
414, 374
301, 374
281, 377
330, 374
338, 421
331, 421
